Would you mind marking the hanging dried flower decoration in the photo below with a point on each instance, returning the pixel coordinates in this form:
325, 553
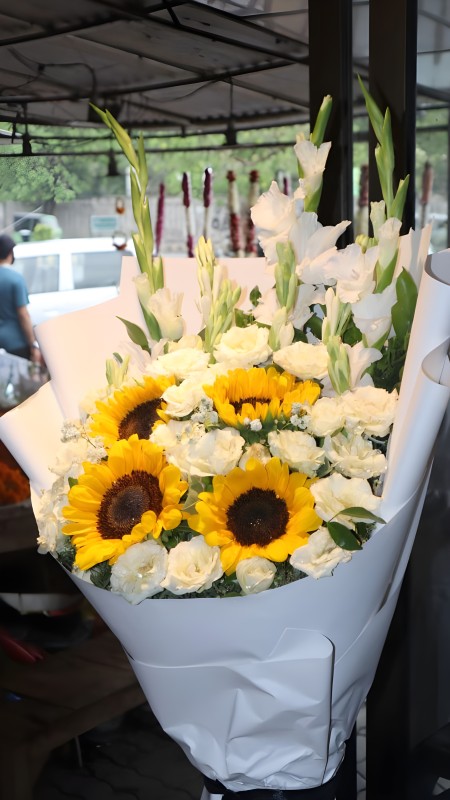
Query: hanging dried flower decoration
186, 187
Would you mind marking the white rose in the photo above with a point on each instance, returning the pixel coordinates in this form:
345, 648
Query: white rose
334, 493
171, 434
182, 399
354, 456
257, 451
255, 574
193, 567
370, 410
215, 453
305, 361
139, 571
181, 363
164, 306
244, 347
320, 556
326, 416
298, 449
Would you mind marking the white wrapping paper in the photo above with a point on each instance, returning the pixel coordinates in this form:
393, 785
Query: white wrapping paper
261, 691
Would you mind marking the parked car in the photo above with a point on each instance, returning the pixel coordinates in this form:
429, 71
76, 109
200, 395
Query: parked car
68, 274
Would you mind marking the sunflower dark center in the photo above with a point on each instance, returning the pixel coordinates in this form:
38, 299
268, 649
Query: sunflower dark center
257, 517
237, 404
140, 420
124, 503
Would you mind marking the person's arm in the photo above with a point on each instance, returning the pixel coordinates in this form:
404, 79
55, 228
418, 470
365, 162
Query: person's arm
27, 327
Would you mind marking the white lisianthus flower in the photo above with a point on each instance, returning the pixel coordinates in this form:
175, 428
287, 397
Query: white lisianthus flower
373, 314
354, 272
255, 574
305, 361
312, 160
139, 571
169, 435
182, 399
164, 306
256, 450
181, 363
335, 493
244, 347
214, 453
326, 416
273, 216
354, 456
320, 556
370, 410
193, 567
298, 449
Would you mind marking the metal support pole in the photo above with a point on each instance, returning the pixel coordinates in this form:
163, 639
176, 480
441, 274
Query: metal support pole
392, 82
330, 72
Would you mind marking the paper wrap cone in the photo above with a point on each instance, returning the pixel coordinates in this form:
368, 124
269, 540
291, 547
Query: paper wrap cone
263, 690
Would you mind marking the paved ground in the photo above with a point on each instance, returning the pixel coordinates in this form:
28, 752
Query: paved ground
128, 759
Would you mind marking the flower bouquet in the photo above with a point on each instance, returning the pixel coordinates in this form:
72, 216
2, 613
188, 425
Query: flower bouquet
249, 451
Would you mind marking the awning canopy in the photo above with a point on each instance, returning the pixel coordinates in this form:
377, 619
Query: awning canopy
184, 67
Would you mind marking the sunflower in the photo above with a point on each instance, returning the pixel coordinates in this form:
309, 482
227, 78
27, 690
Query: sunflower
262, 510
258, 394
132, 495
132, 410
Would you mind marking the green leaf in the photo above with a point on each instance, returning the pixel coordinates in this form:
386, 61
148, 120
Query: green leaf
242, 319
255, 295
375, 115
66, 554
136, 334
318, 133
72, 482
152, 324
314, 324
143, 170
403, 309
101, 575
384, 277
357, 512
398, 202
123, 140
343, 536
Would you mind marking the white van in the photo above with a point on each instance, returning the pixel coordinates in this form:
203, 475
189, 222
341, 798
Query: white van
68, 274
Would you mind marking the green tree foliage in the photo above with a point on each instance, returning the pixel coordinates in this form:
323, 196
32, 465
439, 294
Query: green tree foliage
60, 178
